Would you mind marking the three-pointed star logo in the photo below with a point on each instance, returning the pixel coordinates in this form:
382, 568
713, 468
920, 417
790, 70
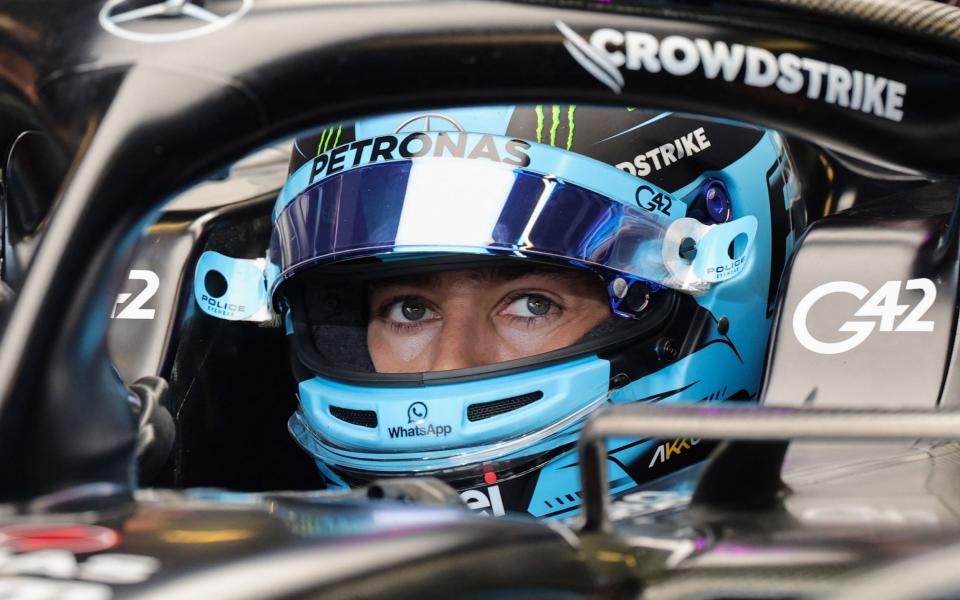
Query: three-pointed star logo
429, 122
183, 19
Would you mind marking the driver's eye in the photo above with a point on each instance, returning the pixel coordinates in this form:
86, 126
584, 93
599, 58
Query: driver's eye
530, 306
538, 305
413, 311
408, 311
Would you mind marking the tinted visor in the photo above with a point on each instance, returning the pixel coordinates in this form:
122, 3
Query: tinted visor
452, 205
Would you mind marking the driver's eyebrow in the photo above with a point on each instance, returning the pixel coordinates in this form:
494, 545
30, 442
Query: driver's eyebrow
482, 275
510, 273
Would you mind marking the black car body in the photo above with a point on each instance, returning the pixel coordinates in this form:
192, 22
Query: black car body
100, 128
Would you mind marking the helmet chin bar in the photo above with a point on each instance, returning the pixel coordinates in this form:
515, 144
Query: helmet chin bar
321, 428
448, 461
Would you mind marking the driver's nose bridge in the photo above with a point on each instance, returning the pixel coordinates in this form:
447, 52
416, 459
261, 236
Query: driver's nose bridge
867, 312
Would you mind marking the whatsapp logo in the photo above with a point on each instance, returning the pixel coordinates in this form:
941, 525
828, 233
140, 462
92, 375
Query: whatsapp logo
416, 413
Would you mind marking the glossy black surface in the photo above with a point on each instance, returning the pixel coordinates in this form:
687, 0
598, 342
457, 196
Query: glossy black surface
235, 546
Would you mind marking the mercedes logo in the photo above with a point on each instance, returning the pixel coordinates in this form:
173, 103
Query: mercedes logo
429, 122
169, 20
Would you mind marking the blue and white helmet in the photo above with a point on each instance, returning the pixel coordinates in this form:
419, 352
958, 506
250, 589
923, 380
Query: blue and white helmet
687, 222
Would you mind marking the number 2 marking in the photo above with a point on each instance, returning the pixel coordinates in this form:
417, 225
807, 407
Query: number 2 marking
135, 309
912, 321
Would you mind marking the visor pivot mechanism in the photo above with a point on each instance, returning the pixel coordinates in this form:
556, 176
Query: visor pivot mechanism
688, 249
698, 255
619, 287
629, 298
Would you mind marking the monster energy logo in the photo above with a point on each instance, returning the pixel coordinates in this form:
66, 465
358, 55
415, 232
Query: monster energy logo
555, 122
329, 138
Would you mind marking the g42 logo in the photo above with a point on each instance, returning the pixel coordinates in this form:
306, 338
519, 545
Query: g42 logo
883, 305
651, 200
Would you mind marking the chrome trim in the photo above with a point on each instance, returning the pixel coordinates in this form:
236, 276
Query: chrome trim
755, 423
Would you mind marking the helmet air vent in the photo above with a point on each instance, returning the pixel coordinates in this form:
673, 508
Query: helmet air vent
363, 418
485, 410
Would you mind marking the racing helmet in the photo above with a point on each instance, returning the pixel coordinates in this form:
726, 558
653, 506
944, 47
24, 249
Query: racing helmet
681, 224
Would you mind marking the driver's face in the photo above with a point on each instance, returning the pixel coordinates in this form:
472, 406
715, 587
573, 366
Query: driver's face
472, 317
